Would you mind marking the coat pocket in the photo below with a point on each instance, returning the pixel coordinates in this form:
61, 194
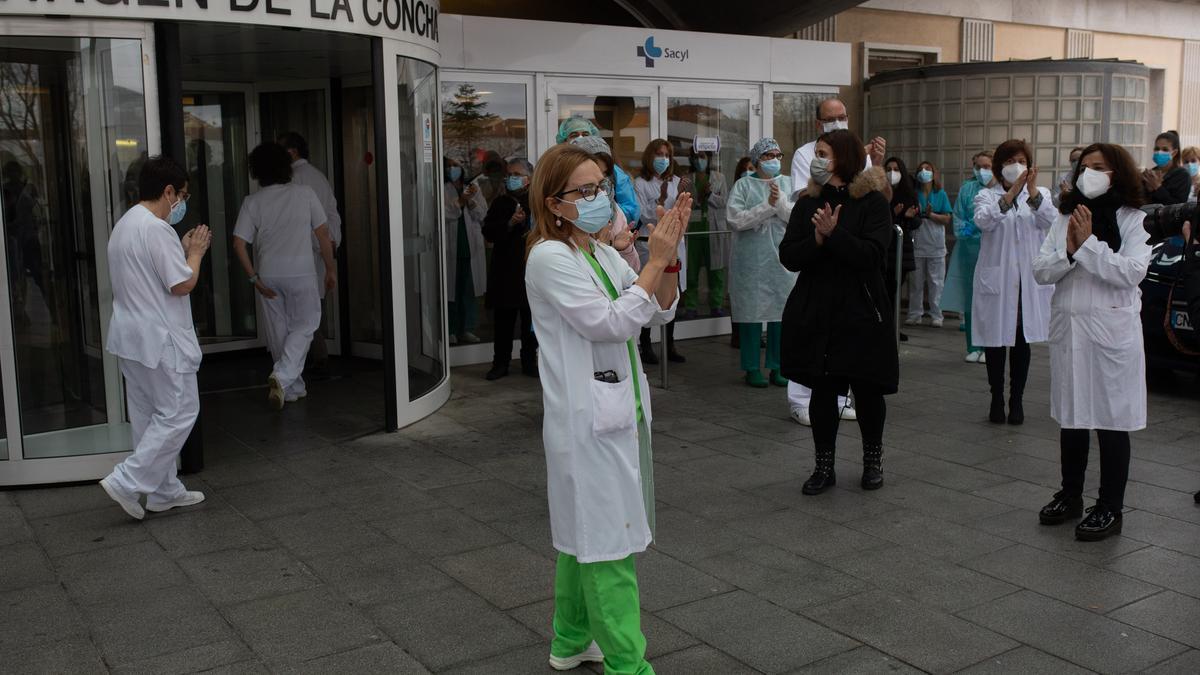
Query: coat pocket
988, 280
613, 407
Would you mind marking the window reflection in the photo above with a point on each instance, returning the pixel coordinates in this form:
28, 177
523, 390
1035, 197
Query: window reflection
624, 122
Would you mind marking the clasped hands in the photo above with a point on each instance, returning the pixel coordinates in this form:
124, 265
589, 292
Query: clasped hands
824, 220
1079, 228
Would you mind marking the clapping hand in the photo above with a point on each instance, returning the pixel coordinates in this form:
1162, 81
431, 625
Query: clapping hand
1152, 179
824, 220
1079, 228
668, 232
877, 149
518, 216
197, 240
1030, 178
773, 198
911, 212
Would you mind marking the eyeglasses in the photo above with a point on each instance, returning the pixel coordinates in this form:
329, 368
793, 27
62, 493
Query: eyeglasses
588, 192
839, 118
772, 155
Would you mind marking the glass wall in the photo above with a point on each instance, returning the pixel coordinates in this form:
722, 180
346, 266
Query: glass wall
360, 227
418, 177
624, 121
794, 114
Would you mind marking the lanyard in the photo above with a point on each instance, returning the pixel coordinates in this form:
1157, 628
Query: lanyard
612, 293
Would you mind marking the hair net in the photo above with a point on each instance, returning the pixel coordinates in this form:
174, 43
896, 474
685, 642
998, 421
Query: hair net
763, 146
575, 123
593, 144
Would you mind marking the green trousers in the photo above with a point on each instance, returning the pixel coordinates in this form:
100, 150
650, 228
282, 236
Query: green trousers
970, 345
699, 256
599, 601
750, 339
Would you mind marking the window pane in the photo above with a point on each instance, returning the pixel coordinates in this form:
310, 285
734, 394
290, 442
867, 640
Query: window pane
624, 121
794, 114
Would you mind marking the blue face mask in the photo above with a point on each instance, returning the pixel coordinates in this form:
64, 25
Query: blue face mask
984, 175
747, 173
1193, 168
593, 215
455, 173
178, 211
661, 164
1161, 158
925, 176
701, 165
515, 183
769, 167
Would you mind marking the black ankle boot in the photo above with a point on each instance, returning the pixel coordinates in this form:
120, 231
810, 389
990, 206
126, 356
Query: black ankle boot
1016, 411
823, 476
648, 356
872, 478
1101, 523
996, 415
498, 371
1061, 509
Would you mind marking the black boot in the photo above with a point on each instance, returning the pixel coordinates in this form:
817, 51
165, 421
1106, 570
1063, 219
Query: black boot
823, 476
498, 371
1100, 523
1196, 497
672, 355
529, 366
996, 415
1016, 411
647, 351
872, 478
1061, 509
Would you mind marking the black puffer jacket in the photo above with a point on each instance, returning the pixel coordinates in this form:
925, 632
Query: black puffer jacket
506, 275
837, 321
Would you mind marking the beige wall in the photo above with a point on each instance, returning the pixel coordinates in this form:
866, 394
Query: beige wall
1156, 53
1015, 41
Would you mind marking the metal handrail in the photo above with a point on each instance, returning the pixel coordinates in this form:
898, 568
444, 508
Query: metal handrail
899, 278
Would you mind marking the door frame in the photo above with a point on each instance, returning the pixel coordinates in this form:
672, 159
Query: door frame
549, 88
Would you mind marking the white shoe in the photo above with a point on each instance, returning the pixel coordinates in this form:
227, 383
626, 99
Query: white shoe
592, 654
801, 416
470, 339
848, 412
130, 504
972, 357
275, 395
292, 398
912, 322
982, 357
936, 323
189, 498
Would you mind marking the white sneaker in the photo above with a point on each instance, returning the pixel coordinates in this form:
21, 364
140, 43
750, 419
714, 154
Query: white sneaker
972, 357
275, 395
982, 357
912, 322
470, 338
592, 654
130, 504
848, 412
936, 323
189, 498
801, 416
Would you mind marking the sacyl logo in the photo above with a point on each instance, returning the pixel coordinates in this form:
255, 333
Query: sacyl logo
649, 52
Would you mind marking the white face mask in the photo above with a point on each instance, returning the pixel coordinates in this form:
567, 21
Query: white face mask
1093, 183
894, 177
834, 125
1012, 172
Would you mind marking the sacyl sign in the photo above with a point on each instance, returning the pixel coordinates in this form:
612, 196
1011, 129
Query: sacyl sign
651, 53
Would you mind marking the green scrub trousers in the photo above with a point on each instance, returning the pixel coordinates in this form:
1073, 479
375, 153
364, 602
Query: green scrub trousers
750, 342
599, 601
699, 255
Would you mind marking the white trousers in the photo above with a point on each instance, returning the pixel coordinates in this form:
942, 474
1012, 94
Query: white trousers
799, 396
930, 276
292, 317
163, 406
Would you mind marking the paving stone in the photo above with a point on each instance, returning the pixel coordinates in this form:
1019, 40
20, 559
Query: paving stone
917, 634
939, 502
508, 575
1161, 567
205, 531
1162, 501
383, 499
1022, 526
525, 660
1017, 494
489, 500
1077, 635
666, 582
440, 532
274, 498
12, 526
431, 627
379, 575
838, 505
688, 537
87, 531
56, 501
158, 623
22, 565
780, 576
859, 661
243, 471
385, 659
1151, 528
301, 626
194, 659
951, 475
756, 632
330, 467
1027, 661
671, 450
232, 576
937, 538
807, 535
699, 660
75, 655
531, 529
929, 580
110, 574
684, 491
428, 470
736, 472
1063, 579
37, 615
1168, 614
322, 532
1187, 662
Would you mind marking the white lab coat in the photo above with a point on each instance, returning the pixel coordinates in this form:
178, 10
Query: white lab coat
474, 212
719, 244
589, 429
648, 192
1008, 244
1097, 362
304, 173
758, 284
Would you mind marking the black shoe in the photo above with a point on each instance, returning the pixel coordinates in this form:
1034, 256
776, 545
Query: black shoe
1016, 411
1061, 509
498, 371
872, 477
529, 369
675, 357
648, 356
1100, 523
904, 337
1196, 497
996, 415
823, 476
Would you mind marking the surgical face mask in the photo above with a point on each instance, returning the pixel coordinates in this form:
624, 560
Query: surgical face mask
769, 167
455, 173
1161, 158
515, 183
1193, 168
593, 215
1012, 172
178, 211
834, 125
819, 169
925, 176
661, 164
747, 173
1093, 183
984, 176
701, 165
894, 177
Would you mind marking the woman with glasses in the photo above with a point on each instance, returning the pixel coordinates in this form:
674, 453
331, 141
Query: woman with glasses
658, 186
587, 307
758, 210
618, 235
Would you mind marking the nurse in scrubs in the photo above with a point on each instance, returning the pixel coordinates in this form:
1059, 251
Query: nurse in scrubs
588, 306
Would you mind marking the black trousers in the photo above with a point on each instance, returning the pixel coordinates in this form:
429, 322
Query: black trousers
825, 416
504, 321
1019, 368
1114, 464
644, 338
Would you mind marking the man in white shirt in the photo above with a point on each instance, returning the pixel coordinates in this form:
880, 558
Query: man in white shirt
304, 173
152, 335
831, 115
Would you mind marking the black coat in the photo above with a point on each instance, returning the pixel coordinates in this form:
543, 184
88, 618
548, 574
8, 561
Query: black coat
1175, 188
838, 321
506, 275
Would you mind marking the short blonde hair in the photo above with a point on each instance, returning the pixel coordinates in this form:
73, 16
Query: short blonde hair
1190, 151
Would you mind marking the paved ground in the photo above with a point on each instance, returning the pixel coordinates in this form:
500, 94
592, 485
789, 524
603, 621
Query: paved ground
429, 550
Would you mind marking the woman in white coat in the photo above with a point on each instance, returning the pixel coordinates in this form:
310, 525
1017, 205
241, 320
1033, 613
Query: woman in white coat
709, 252
1095, 257
588, 307
466, 266
657, 185
1009, 309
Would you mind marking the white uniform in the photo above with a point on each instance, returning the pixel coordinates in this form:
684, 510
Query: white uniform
648, 192
1004, 274
798, 394
473, 212
590, 430
278, 221
304, 173
1097, 362
151, 333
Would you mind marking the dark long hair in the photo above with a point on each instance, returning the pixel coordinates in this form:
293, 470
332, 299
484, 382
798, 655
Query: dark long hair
1006, 151
903, 192
1126, 180
848, 153
1173, 138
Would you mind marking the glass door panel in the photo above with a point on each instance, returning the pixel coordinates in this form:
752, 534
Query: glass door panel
624, 121
214, 127
360, 224
419, 191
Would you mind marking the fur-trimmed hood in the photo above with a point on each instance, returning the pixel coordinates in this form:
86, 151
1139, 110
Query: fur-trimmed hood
869, 180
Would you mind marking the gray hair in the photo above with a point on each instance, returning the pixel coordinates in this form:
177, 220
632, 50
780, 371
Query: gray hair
522, 162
